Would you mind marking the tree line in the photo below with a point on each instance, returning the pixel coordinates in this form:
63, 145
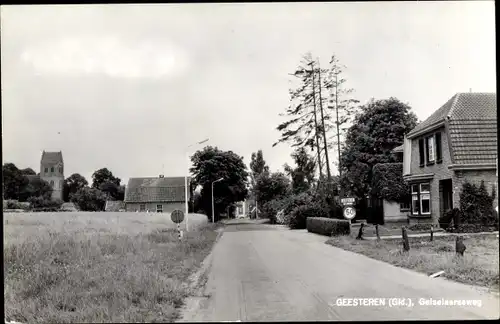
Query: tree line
25, 185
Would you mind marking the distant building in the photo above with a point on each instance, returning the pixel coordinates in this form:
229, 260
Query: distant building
157, 194
52, 171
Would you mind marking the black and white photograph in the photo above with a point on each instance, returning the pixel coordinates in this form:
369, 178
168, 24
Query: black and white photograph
249, 162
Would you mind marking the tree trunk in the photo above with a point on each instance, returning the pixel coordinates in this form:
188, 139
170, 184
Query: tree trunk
316, 124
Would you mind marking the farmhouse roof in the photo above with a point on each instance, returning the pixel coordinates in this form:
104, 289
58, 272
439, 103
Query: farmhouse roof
52, 157
155, 189
472, 120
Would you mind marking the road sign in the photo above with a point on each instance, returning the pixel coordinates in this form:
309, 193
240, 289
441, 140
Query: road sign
347, 201
349, 212
177, 216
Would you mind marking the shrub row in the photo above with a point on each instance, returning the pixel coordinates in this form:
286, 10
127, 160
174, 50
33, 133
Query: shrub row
299, 216
328, 226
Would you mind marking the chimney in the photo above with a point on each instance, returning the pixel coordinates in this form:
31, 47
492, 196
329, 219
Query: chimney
161, 176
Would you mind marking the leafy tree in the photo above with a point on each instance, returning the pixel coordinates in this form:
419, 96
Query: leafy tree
13, 181
112, 190
303, 174
257, 166
388, 182
89, 199
378, 129
72, 184
102, 176
272, 186
35, 188
211, 164
28, 171
104, 180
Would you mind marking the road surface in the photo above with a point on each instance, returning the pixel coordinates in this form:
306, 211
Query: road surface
262, 273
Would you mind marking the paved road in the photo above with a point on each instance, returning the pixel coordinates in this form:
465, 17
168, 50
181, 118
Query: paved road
262, 273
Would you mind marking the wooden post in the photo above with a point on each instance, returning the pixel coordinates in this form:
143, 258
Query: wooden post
360, 233
376, 231
179, 230
432, 233
406, 243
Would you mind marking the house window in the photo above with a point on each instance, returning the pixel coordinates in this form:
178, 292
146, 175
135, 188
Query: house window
240, 210
439, 149
60, 170
46, 170
159, 208
52, 183
52, 169
430, 149
421, 152
421, 199
142, 207
425, 198
414, 200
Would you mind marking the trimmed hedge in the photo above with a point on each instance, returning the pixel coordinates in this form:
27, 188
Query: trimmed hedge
328, 226
300, 214
388, 183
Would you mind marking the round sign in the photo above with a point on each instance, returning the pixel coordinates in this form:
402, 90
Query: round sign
177, 216
349, 212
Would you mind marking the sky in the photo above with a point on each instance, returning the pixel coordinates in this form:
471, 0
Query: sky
130, 87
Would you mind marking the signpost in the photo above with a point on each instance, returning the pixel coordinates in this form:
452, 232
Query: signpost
349, 210
177, 217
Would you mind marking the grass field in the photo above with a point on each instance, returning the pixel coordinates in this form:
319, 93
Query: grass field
479, 266
99, 267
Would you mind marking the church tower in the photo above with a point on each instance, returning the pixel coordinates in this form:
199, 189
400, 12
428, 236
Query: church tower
52, 171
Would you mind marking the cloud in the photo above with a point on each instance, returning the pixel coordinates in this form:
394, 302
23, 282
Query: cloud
106, 55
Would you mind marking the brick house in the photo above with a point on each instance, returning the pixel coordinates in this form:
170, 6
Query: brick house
457, 143
157, 194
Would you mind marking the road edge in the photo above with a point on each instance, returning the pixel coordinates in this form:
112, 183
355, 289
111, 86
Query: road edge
197, 283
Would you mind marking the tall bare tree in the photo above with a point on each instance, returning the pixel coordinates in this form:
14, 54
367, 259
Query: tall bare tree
303, 128
341, 103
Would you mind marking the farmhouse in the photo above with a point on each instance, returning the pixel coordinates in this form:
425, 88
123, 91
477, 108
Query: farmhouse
158, 194
457, 143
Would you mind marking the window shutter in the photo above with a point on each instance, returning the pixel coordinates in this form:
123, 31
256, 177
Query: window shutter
421, 151
439, 152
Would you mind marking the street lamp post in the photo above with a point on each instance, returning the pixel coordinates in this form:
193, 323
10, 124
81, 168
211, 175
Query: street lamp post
213, 206
186, 181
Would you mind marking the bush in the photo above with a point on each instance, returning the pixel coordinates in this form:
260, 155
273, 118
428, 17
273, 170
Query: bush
44, 204
476, 205
14, 204
300, 214
472, 228
328, 226
420, 227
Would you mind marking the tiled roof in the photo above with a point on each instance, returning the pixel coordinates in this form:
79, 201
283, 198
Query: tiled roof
438, 115
114, 205
472, 127
155, 190
52, 157
474, 141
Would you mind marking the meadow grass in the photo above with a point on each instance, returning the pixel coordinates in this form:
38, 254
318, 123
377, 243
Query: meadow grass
99, 267
479, 265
